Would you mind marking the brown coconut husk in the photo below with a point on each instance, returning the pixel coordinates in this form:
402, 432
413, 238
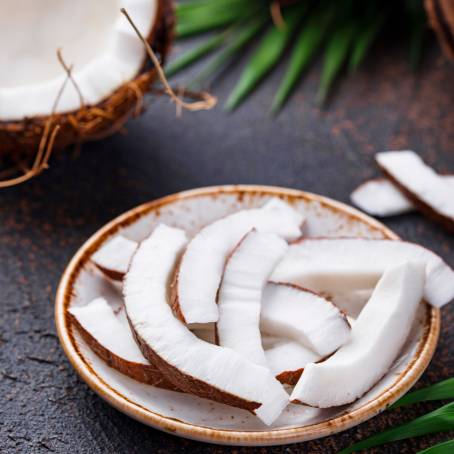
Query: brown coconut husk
23, 138
441, 18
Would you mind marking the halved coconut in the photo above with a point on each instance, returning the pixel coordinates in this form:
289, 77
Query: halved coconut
108, 66
432, 194
112, 341
240, 294
287, 360
199, 273
342, 264
300, 314
195, 366
113, 258
377, 337
380, 197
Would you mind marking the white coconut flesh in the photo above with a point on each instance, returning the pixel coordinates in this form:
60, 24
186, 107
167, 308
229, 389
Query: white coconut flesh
410, 171
98, 319
240, 295
296, 313
380, 197
377, 337
342, 264
202, 264
113, 258
288, 358
93, 36
199, 367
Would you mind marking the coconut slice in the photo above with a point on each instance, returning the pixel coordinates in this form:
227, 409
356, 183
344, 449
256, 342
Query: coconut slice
377, 337
195, 366
342, 264
432, 194
288, 359
114, 257
300, 314
199, 274
112, 341
240, 295
380, 197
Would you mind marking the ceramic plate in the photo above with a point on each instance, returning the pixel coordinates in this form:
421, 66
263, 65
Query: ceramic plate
192, 417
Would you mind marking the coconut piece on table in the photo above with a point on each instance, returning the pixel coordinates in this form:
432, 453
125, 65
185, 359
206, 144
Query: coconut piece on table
342, 264
304, 316
380, 197
240, 294
377, 336
195, 366
113, 342
113, 258
287, 359
200, 271
431, 193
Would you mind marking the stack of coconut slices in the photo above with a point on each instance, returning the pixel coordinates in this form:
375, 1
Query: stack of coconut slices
244, 313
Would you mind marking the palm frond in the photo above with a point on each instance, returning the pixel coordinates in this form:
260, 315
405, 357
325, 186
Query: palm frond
442, 448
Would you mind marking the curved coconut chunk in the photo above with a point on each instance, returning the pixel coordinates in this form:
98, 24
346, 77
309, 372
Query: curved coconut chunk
288, 359
112, 341
199, 368
240, 295
104, 56
350, 302
199, 275
302, 315
377, 337
428, 191
380, 197
113, 258
343, 264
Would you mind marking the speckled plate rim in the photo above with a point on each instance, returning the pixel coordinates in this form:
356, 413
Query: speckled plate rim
400, 386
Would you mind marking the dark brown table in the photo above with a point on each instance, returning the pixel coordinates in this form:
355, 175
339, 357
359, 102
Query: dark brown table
44, 406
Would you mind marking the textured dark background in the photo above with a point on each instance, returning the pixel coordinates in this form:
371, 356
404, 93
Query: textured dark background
44, 406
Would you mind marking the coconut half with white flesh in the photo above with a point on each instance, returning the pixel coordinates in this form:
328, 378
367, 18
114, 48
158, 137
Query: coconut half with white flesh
113, 342
107, 59
287, 360
430, 193
195, 366
240, 294
377, 336
113, 258
341, 264
304, 316
380, 197
199, 273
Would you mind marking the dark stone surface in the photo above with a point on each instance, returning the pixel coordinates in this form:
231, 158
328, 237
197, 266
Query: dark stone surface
44, 405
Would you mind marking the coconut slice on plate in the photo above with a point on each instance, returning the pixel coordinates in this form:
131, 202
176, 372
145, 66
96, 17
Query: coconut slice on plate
200, 271
431, 193
107, 61
113, 258
302, 315
380, 197
240, 294
377, 337
195, 366
112, 341
287, 360
342, 264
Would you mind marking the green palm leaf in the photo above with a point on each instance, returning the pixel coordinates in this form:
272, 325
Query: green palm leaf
306, 45
439, 391
232, 48
442, 448
440, 420
335, 56
266, 56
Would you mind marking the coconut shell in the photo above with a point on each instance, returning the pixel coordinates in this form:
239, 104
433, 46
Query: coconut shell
441, 18
97, 121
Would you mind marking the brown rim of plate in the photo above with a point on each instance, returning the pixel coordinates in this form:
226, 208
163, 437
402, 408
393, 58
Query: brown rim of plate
345, 421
